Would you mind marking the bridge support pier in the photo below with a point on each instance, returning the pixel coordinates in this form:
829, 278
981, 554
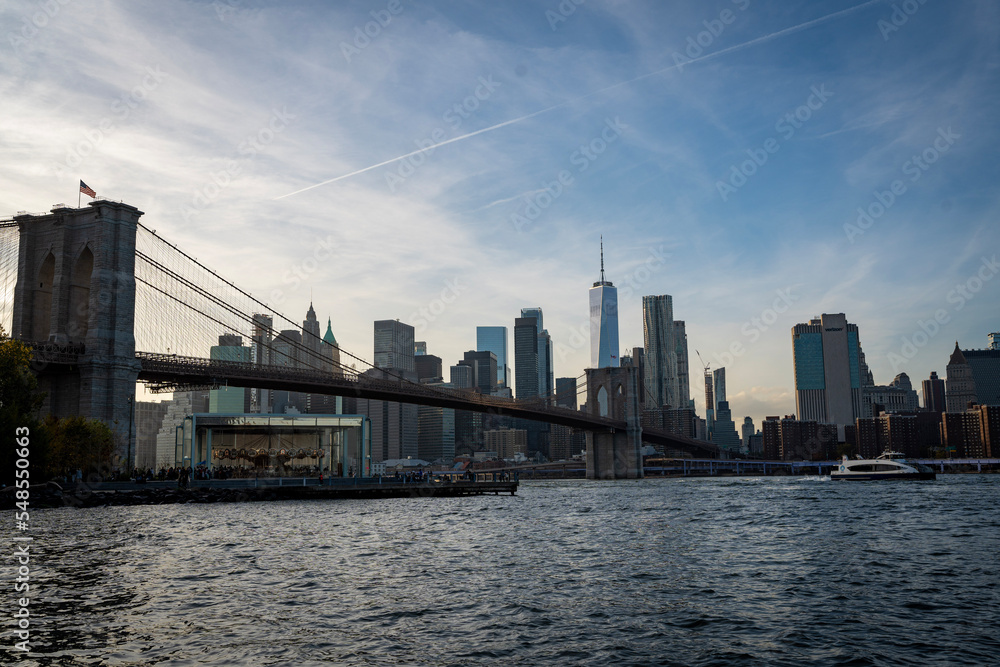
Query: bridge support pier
613, 392
75, 301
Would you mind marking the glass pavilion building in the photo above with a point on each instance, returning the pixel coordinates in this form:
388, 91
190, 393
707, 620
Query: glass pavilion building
276, 445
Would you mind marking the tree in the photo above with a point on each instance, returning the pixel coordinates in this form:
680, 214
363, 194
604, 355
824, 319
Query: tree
20, 401
76, 443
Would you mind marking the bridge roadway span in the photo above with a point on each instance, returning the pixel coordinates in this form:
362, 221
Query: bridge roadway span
165, 371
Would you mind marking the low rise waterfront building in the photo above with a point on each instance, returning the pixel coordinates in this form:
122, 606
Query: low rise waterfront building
276, 444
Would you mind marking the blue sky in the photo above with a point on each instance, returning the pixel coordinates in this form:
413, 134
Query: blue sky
731, 181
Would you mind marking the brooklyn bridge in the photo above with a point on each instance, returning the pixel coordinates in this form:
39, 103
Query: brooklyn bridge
106, 303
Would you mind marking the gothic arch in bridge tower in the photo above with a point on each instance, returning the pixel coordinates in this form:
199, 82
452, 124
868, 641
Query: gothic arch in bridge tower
79, 296
616, 453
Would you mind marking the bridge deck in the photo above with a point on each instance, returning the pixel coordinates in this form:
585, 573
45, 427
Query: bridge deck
170, 372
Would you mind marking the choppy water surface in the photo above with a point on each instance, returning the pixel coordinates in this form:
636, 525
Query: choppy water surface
694, 572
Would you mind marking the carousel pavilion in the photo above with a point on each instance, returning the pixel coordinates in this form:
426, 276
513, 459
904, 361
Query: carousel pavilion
276, 445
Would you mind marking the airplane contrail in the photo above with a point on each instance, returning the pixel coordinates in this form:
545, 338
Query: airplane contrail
708, 56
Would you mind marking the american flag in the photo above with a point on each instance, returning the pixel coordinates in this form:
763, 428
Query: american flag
87, 190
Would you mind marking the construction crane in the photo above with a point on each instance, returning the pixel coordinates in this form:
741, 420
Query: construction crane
709, 389
707, 366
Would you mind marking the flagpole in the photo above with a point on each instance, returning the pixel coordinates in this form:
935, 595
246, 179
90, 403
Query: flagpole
78, 199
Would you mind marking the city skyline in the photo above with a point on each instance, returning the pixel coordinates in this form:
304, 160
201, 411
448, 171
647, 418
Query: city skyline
204, 132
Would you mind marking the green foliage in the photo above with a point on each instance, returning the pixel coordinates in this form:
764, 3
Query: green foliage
76, 443
19, 401
57, 446
19, 398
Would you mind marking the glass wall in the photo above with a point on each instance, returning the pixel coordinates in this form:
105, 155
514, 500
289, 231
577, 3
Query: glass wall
248, 445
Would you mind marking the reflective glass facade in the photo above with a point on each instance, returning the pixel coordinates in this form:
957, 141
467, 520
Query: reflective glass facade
494, 339
337, 445
808, 351
604, 326
394, 345
854, 358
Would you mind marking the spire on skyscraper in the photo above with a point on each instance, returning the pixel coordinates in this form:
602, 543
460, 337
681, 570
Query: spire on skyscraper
603, 321
602, 281
328, 337
602, 258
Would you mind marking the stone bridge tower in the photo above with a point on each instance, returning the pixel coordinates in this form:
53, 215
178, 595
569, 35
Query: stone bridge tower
614, 392
75, 302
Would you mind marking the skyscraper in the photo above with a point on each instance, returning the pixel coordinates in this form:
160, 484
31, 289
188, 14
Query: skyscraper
683, 394
525, 357
312, 342
435, 432
333, 349
709, 405
748, 432
395, 426
288, 351
566, 392
462, 376
546, 369
533, 372
484, 370
261, 355
494, 339
229, 400
934, 393
828, 368
321, 354
973, 375
719, 386
428, 367
660, 366
638, 359
394, 345
725, 435
546, 372
603, 321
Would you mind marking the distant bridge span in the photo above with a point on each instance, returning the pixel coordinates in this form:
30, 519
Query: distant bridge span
168, 372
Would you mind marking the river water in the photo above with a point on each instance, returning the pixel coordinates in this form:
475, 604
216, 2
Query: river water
732, 571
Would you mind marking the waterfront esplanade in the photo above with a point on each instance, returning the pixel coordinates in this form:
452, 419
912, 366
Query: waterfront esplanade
277, 445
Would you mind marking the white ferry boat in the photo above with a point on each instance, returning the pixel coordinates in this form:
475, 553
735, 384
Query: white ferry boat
889, 465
